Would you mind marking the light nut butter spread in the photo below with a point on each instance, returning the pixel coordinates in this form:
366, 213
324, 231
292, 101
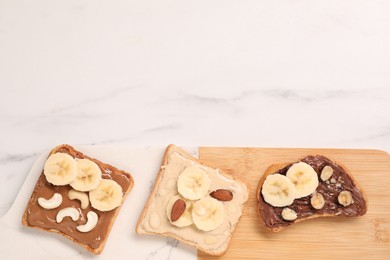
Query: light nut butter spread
37, 216
156, 220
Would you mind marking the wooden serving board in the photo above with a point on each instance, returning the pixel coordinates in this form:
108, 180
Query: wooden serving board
366, 237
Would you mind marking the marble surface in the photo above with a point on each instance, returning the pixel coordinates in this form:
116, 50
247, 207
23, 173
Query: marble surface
193, 73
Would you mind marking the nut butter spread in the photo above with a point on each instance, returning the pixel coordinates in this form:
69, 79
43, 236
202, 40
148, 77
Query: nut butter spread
156, 221
46, 218
330, 189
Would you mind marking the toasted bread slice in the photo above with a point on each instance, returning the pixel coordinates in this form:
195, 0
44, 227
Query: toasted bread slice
38, 217
340, 180
156, 219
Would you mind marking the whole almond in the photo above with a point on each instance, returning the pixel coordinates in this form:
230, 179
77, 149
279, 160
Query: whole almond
222, 195
178, 209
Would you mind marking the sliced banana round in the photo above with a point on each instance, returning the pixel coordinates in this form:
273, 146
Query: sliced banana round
88, 176
60, 169
208, 214
304, 178
107, 196
278, 190
193, 183
185, 219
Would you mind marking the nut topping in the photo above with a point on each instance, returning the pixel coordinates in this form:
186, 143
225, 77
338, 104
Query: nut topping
73, 213
81, 196
178, 209
222, 195
92, 219
289, 214
317, 200
326, 173
52, 203
345, 198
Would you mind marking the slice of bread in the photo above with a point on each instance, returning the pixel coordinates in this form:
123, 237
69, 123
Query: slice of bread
38, 217
330, 189
157, 216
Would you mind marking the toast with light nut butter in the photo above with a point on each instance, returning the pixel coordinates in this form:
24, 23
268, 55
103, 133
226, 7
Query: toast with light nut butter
193, 203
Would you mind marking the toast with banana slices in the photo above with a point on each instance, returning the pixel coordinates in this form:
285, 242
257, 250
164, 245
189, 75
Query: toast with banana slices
312, 187
78, 197
193, 203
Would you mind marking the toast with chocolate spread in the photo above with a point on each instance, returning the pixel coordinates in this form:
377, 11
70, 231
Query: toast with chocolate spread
312, 187
78, 197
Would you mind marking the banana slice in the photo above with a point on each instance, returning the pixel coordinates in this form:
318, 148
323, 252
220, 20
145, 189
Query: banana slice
208, 214
88, 177
107, 196
60, 169
278, 190
185, 219
304, 178
193, 183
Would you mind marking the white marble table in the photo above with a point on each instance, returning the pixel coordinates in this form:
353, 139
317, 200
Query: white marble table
216, 73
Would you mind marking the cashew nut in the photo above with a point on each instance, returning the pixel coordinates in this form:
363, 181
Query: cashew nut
92, 219
51, 203
81, 196
67, 212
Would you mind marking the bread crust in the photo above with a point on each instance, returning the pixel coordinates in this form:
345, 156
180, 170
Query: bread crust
170, 149
102, 165
275, 167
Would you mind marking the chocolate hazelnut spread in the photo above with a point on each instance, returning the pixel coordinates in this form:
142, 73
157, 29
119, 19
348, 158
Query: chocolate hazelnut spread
330, 189
36, 216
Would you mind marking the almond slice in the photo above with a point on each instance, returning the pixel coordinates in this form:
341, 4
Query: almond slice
222, 195
178, 209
